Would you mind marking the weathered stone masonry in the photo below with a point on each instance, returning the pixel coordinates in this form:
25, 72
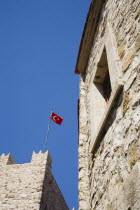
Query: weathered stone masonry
109, 133
29, 186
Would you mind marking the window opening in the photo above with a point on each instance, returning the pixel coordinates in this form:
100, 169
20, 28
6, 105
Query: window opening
102, 78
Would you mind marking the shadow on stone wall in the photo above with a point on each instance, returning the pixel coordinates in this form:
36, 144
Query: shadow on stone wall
52, 197
110, 120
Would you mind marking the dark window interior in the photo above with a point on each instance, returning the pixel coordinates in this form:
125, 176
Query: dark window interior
102, 77
107, 87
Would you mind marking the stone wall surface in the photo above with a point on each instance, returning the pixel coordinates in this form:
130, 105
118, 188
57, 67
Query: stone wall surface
21, 185
106, 176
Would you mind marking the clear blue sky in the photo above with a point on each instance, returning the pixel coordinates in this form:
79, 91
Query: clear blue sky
39, 41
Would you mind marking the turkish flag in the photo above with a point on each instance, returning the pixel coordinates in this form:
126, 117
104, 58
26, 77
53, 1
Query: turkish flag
57, 119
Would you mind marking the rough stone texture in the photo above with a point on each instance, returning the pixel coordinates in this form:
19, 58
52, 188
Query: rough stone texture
109, 177
30, 185
128, 197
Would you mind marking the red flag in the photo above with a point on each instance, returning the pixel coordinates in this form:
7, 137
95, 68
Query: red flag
56, 118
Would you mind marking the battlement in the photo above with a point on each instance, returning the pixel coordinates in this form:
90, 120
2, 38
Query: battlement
6, 159
29, 185
42, 158
37, 159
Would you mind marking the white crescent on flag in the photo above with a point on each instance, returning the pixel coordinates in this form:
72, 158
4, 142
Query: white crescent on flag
55, 118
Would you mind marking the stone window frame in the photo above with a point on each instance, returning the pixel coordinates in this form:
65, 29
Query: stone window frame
115, 72
102, 77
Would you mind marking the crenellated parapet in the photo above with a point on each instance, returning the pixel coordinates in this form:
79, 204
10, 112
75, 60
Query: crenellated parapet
6, 159
42, 158
37, 159
29, 185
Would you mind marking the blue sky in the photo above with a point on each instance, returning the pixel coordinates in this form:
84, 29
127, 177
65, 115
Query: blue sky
39, 43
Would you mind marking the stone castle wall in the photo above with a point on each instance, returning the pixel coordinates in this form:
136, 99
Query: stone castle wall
29, 186
109, 175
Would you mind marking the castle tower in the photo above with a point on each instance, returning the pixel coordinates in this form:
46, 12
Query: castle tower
29, 186
108, 64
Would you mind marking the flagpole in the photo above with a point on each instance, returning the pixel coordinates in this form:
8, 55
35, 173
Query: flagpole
47, 134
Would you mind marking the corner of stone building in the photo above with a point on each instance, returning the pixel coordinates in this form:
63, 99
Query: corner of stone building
51, 197
42, 158
6, 159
